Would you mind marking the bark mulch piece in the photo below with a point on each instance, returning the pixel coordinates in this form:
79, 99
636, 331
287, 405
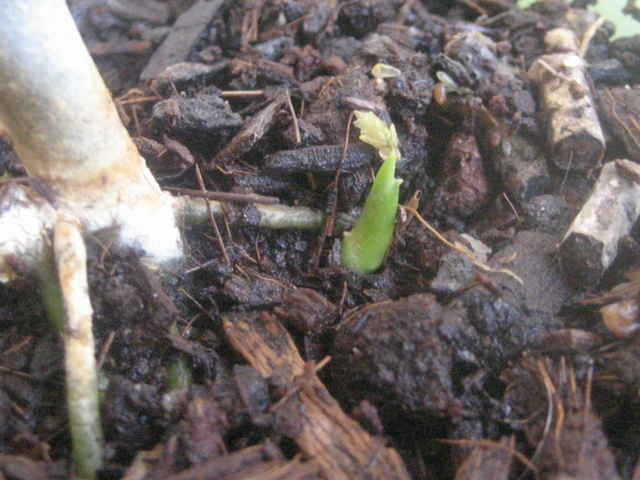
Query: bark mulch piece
306, 411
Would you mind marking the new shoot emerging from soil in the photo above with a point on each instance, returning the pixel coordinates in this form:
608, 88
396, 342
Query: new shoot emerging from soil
365, 246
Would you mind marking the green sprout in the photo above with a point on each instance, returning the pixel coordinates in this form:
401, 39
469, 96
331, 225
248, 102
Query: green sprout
365, 246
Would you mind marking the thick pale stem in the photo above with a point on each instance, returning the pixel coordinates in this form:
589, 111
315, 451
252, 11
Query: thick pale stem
80, 365
62, 122
53, 101
65, 128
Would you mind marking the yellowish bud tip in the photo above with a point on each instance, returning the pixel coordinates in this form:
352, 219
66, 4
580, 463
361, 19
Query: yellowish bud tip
380, 70
377, 133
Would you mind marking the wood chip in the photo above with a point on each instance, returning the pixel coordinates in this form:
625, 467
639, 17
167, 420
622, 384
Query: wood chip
308, 412
591, 243
184, 35
575, 134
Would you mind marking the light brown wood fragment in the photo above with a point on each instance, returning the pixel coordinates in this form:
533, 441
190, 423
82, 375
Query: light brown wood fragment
184, 34
591, 242
308, 412
575, 134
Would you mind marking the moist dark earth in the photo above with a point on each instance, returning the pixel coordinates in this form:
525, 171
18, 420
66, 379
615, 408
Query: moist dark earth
266, 358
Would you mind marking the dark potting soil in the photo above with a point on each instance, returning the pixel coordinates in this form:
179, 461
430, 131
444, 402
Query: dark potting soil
254, 363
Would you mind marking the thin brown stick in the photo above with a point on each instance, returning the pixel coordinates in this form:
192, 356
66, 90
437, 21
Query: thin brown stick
555, 405
136, 120
330, 222
17, 373
294, 117
588, 35
225, 196
587, 393
102, 356
138, 100
553, 71
198, 304
18, 346
513, 208
360, 311
457, 248
619, 120
322, 363
475, 7
212, 218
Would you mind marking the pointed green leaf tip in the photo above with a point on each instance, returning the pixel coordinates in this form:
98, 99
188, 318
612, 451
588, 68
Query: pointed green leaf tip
365, 246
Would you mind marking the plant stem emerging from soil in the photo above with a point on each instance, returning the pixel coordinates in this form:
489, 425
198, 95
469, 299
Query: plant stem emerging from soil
276, 217
86, 176
365, 246
66, 130
80, 363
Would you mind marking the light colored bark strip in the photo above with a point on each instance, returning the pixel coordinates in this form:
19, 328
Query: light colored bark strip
591, 243
80, 363
575, 135
185, 33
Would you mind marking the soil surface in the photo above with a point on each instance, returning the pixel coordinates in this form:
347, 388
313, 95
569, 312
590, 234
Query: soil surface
262, 357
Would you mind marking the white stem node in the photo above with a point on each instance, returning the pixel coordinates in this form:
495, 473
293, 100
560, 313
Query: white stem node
24, 219
65, 128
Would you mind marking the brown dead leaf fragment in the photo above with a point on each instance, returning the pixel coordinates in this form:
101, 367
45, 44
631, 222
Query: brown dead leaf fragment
251, 132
